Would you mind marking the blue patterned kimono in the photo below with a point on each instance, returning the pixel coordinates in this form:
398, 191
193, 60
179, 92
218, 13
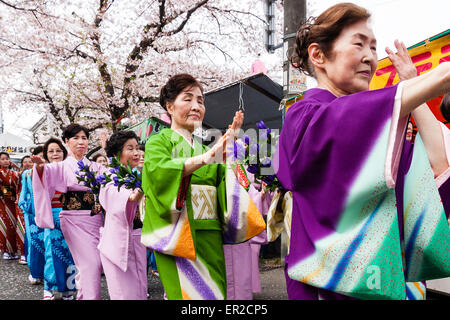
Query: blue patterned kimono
57, 255
34, 235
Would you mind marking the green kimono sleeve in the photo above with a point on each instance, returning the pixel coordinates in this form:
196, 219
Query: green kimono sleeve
166, 225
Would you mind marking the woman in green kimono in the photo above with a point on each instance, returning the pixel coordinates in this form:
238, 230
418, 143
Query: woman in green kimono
194, 203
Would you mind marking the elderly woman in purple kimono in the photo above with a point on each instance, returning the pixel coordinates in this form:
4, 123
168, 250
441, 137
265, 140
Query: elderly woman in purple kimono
123, 256
339, 153
80, 223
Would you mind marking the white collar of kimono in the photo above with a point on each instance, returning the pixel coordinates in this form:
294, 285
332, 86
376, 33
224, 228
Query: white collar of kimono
191, 144
85, 160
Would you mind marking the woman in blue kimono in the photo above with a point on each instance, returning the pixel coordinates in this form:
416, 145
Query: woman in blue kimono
58, 259
35, 236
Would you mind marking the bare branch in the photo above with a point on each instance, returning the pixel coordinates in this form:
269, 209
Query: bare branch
186, 19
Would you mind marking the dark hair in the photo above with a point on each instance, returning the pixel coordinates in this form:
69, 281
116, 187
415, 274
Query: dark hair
142, 147
324, 30
37, 150
3, 152
175, 85
59, 143
98, 155
445, 107
72, 129
21, 160
117, 140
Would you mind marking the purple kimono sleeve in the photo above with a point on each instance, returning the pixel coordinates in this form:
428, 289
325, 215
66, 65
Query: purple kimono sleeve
115, 235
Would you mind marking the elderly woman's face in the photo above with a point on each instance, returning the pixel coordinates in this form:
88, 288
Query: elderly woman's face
78, 144
353, 59
130, 153
188, 110
54, 153
102, 160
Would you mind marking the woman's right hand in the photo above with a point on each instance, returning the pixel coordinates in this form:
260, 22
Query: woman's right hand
37, 160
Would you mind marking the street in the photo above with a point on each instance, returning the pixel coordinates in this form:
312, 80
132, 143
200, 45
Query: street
14, 283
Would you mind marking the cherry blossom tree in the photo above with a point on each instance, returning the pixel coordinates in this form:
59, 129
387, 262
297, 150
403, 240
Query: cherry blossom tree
97, 62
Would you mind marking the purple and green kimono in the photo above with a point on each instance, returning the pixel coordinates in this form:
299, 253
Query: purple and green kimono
188, 219
340, 158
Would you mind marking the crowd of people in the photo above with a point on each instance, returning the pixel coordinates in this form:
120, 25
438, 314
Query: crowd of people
69, 244
369, 209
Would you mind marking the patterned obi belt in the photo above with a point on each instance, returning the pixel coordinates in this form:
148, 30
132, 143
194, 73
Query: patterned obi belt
81, 200
204, 202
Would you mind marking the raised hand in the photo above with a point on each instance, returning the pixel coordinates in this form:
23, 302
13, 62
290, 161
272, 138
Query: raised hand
402, 61
224, 143
233, 130
37, 160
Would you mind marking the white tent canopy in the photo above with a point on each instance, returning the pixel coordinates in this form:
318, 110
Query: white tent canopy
16, 146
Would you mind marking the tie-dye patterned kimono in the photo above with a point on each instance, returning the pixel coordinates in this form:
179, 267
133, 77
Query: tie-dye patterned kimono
187, 220
340, 158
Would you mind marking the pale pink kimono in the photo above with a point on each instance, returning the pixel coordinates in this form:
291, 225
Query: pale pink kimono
242, 260
123, 256
80, 229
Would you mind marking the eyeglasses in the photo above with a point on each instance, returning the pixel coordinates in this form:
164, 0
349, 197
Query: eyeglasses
55, 151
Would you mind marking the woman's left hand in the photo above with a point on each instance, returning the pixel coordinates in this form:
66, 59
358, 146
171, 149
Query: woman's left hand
402, 61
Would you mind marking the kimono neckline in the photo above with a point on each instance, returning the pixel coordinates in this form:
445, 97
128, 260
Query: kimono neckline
74, 159
193, 140
320, 95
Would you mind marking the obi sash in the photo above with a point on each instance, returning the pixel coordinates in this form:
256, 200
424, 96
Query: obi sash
204, 202
81, 200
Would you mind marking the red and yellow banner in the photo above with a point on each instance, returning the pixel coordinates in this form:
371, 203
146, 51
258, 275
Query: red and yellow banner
426, 56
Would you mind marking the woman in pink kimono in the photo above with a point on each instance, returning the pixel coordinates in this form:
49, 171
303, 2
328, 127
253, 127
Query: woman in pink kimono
123, 257
80, 223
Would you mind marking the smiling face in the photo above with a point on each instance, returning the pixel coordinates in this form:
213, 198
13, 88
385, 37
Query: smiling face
27, 164
188, 109
54, 153
78, 144
130, 153
352, 61
102, 160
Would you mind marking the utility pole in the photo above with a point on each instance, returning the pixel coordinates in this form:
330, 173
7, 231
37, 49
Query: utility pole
294, 15
293, 81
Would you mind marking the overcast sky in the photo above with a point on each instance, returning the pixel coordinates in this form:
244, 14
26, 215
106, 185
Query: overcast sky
410, 21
